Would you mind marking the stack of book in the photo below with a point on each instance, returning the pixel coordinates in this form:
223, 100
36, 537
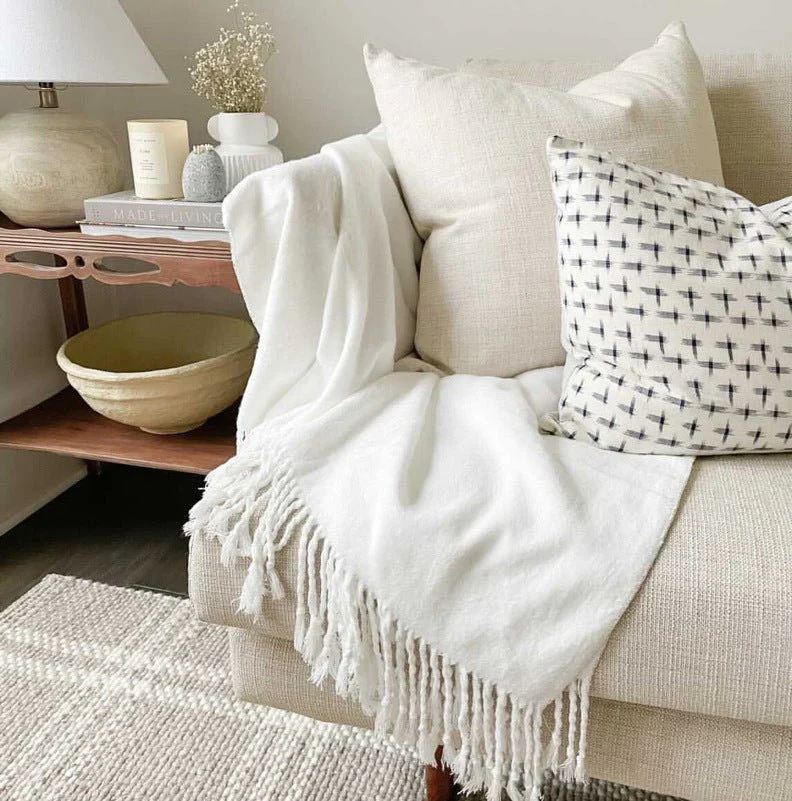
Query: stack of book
122, 213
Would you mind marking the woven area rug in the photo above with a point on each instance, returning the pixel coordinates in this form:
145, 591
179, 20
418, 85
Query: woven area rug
121, 695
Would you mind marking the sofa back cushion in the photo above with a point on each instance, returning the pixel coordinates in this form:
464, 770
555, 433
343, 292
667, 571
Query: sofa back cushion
470, 154
751, 99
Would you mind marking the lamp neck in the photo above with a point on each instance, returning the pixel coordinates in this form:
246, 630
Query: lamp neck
48, 95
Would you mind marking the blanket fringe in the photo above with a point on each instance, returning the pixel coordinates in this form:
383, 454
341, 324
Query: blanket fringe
491, 740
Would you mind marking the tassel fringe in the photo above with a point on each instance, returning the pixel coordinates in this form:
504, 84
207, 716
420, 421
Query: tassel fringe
491, 740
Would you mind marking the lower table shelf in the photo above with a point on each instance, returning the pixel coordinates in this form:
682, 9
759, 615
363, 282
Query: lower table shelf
65, 424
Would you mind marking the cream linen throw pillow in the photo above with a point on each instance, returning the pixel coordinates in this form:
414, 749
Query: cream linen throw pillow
470, 154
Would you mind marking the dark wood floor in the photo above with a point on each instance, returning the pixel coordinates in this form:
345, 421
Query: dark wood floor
122, 527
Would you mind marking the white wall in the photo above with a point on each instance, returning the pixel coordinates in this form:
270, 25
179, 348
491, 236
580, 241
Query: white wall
319, 87
31, 330
319, 93
30, 334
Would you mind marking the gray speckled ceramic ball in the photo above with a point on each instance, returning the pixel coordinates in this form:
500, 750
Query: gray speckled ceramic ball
203, 177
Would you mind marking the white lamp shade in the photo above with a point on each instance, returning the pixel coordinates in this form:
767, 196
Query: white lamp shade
72, 41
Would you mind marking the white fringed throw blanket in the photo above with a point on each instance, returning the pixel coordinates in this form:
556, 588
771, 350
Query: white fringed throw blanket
459, 572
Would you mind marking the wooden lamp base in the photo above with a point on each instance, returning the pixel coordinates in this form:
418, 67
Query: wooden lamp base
51, 160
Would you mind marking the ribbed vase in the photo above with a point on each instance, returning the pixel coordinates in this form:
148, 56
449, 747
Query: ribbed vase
244, 143
239, 165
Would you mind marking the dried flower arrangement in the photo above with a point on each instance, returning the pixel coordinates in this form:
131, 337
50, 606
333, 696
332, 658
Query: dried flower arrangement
229, 72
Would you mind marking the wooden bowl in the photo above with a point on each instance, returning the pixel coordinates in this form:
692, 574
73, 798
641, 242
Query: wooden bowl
165, 373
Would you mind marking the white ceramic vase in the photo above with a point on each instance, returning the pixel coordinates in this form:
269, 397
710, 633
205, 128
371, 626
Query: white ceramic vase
244, 143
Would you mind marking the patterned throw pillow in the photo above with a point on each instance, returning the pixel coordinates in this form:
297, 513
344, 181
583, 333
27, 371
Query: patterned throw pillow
677, 306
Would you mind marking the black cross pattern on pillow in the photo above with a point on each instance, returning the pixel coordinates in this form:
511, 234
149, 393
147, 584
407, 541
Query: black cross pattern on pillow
677, 305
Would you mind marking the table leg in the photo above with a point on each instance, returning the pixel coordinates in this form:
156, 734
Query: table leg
75, 318
75, 314
439, 781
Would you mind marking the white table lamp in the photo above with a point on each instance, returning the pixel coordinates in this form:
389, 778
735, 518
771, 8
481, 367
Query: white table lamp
51, 159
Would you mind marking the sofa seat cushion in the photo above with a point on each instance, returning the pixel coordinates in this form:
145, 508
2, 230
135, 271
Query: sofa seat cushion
709, 632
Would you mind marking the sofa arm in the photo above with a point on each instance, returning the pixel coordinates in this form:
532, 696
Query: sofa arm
325, 254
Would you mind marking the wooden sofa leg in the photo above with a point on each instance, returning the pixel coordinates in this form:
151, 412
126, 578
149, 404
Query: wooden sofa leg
439, 781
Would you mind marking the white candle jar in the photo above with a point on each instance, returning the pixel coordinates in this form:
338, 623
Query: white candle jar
158, 149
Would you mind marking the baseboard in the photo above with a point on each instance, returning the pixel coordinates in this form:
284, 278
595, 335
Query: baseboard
61, 486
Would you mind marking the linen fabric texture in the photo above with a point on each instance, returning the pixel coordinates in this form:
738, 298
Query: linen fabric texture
458, 573
751, 99
677, 298
470, 156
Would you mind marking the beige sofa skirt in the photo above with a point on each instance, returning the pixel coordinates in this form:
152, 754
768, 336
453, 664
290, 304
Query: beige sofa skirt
713, 759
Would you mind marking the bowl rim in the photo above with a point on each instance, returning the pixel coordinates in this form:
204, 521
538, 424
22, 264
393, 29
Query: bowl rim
72, 368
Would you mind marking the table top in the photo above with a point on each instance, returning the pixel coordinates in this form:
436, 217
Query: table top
114, 259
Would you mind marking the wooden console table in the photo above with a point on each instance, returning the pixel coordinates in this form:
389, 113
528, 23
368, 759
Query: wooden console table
64, 424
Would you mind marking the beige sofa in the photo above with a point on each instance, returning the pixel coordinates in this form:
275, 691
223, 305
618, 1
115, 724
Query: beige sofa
693, 695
